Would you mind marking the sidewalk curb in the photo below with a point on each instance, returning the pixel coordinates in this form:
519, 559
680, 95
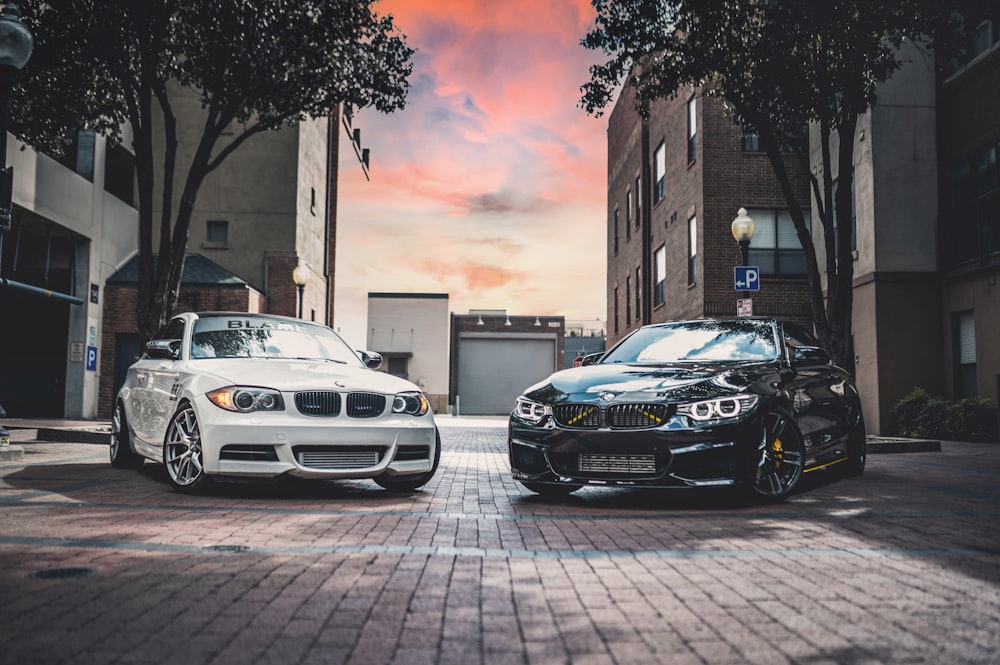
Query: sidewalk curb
74, 435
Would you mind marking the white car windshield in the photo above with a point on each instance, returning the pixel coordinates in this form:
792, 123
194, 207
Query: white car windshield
249, 337
698, 341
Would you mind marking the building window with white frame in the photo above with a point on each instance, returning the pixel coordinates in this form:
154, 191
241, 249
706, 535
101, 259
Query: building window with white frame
638, 294
616, 310
692, 130
660, 275
628, 206
692, 251
638, 201
628, 300
616, 231
659, 173
775, 248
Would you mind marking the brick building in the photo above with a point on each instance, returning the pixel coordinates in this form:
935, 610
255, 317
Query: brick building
675, 183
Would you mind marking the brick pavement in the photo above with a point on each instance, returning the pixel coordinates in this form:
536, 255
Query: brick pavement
898, 566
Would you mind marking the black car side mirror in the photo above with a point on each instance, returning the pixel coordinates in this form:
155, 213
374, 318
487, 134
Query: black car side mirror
169, 349
371, 359
809, 355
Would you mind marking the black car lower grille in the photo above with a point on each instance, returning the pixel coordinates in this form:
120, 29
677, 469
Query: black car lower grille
577, 416
636, 416
365, 405
616, 416
248, 453
338, 457
609, 466
318, 403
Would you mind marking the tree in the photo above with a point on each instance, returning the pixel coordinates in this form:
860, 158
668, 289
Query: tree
778, 65
257, 67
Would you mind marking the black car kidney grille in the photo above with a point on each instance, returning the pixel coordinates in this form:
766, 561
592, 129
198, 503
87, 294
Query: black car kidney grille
318, 403
365, 405
636, 416
577, 416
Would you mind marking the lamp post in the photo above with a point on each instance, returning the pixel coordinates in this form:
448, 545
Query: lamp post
16, 43
743, 228
300, 275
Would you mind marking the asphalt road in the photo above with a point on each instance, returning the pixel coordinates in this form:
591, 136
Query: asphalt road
901, 565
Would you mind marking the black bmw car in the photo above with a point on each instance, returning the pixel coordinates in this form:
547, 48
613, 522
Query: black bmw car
749, 403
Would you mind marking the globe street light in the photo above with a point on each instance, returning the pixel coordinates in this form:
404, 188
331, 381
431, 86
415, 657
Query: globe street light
300, 275
16, 43
743, 228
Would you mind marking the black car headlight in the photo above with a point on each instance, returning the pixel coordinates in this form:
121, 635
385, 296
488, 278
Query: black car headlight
414, 404
244, 399
719, 410
531, 411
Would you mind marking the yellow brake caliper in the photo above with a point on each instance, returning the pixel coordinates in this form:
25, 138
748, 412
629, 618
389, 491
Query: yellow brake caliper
778, 450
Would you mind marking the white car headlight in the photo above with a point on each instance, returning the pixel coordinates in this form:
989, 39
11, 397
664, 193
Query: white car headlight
244, 399
531, 411
720, 409
415, 404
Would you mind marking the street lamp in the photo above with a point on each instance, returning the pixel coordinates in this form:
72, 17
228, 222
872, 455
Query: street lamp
300, 275
743, 228
16, 43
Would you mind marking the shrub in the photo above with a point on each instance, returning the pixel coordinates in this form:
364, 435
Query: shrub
923, 416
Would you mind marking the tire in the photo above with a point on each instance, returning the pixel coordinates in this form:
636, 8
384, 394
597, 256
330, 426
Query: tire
120, 451
411, 483
547, 489
857, 449
780, 458
182, 454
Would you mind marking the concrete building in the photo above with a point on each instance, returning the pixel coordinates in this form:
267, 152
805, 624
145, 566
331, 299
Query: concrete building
494, 357
410, 330
73, 225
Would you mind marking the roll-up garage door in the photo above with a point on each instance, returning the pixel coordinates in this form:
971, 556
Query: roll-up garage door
492, 372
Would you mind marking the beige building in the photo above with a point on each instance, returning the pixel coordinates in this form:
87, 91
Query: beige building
410, 330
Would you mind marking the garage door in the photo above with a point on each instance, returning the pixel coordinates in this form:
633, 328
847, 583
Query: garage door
493, 372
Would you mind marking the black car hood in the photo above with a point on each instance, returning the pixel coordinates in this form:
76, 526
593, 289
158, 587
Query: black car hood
644, 383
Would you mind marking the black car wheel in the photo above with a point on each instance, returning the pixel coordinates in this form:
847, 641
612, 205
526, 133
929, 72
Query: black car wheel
857, 449
547, 489
121, 453
403, 484
780, 458
182, 451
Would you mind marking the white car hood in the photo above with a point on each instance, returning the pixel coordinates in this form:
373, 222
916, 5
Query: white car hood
293, 375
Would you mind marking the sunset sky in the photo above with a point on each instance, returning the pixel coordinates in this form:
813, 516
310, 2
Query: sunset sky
490, 185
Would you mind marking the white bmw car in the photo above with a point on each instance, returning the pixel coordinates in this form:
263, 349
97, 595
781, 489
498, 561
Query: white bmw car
260, 396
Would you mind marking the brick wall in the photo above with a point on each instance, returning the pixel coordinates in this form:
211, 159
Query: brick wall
720, 180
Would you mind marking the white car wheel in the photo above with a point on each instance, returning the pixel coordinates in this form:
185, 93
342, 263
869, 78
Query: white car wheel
121, 453
182, 451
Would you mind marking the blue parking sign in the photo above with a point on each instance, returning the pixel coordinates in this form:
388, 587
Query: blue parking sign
746, 278
92, 358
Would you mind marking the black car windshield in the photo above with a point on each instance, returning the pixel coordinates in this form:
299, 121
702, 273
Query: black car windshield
697, 341
258, 337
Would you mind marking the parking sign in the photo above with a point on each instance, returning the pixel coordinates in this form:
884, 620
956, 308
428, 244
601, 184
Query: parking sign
746, 278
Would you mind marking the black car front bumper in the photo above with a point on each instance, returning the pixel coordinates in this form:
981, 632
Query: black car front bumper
670, 456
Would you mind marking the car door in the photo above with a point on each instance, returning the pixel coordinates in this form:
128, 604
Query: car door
817, 393
152, 397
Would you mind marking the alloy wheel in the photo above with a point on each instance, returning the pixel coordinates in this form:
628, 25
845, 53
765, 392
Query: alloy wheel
780, 458
182, 450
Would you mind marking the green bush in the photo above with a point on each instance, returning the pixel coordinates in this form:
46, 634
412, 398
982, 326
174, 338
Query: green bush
921, 415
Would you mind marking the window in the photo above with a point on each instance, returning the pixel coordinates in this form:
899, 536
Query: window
119, 173
964, 333
854, 218
692, 130
660, 276
616, 231
79, 154
217, 233
628, 301
628, 206
638, 294
798, 142
972, 223
692, 250
616, 310
638, 201
775, 247
659, 173
983, 38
